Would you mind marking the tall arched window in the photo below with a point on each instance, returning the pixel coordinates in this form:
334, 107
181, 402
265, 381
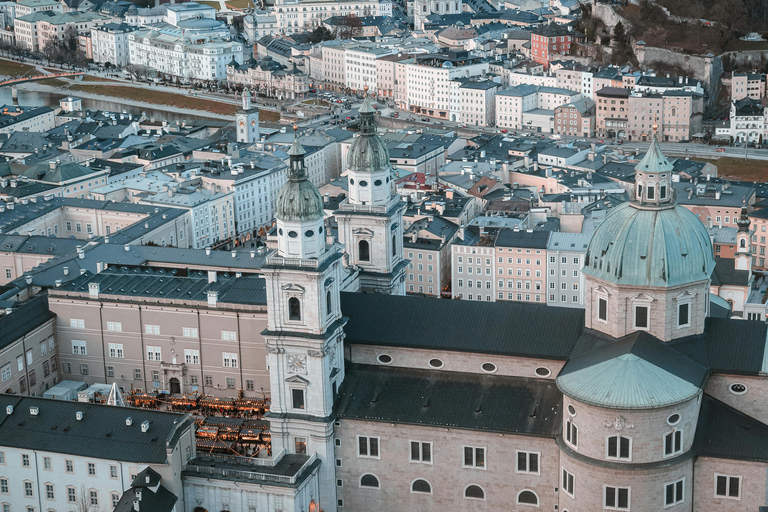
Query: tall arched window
364, 250
394, 245
328, 305
294, 309
528, 498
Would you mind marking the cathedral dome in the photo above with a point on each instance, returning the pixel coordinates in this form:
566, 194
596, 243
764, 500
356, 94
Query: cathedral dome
298, 200
368, 153
651, 240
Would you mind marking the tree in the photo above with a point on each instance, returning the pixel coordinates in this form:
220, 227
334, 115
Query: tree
83, 502
350, 26
321, 34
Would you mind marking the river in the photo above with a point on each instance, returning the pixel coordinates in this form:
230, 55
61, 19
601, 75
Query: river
33, 98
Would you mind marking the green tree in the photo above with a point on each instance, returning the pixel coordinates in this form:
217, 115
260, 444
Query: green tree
321, 34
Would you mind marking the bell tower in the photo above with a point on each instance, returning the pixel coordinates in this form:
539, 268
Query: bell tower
304, 334
371, 219
743, 242
247, 121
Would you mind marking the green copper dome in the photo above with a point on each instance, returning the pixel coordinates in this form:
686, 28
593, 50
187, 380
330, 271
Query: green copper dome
651, 240
368, 153
298, 200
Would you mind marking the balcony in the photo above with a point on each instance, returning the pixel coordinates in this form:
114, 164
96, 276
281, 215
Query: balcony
281, 471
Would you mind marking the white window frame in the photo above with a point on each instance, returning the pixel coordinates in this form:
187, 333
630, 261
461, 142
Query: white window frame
189, 332
664, 443
229, 359
421, 452
568, 435
368, 448
360, 480
431, 487
678, 499
191, 356
474, 465
605, 495
154, 353
79, 348
116, 351
564, 484
597, 313
77, 323
684, 299
647, 307
151, 329
115, 326
528, 462
618, 456
728, 486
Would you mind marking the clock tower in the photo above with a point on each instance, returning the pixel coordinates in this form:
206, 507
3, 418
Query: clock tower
304, 334
247, 121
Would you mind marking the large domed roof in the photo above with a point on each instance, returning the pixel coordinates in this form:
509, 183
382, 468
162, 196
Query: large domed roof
650, 247
651, 240
298, 200
368, 153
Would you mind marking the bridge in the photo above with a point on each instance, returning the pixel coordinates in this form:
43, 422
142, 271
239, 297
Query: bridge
13, 82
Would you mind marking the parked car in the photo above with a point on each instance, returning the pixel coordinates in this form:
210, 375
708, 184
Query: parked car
504, 130
720, 150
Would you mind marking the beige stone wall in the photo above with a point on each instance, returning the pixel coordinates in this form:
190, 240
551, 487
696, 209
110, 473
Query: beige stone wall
446, 475
646, 428
31, 342
662, 314
753, 485
646, 486
751, 403
464, 362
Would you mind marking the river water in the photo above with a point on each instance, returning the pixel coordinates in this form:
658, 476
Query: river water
33, 99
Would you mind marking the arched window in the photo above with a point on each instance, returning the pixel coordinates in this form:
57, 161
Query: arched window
328, 305
475, 492
369, 481
528, 498
294, 309
364, 250
394, 245
743, 243
421, 486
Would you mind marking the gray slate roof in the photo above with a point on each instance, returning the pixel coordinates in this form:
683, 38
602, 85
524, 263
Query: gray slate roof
101, 434
490, 403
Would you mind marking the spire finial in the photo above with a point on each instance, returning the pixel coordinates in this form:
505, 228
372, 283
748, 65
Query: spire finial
655, 124
365, 88
295, 127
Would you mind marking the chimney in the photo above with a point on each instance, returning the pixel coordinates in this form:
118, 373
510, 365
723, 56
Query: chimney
34, 411
145, 426
80, 252
207, 251
234, 253
99, 266
127, 247
253, 254
8, 409
66, 271
28, 279
79, 415
211, 276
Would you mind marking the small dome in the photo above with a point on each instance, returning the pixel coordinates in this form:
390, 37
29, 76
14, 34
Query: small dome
368, 153
650, 247
635, 372
298, 200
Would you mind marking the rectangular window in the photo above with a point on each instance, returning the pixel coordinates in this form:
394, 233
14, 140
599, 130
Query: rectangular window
25, 460
190, 332
137, 373
683, 318
368, 447
112, 471
602, 309
3, 486
249, 385
421, 452
78, 348
71, 495
70, 466
568, 483
116, 350
231, 382
300, 445
641, 317
77, 323
49, 495
618, 447
528, 462
298, 398
114, 326
230, 360
93, 497
91, 469
110, 371
43, 348
617, 498
191, 356
673, 493
571, 433
673, 443
5, 372
474, 457
28, 489
228, 336
153, 354
151, 329
727, 486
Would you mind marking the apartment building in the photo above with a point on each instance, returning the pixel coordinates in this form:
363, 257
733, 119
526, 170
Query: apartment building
748, 85
28, 351
478, 102
759, 226
576, 119
531, 107
427, 245
180, 331
565, 258
662, 84
334, 67
270, 78
575, 78
612, 114
301, 15
607, 77
388, 78
715, 201
59, 26
109, 43
747, 122
360, 68
429, 77
549, 41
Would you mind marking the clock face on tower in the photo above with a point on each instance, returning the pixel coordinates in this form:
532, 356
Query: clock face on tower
253, 122
297, 363
242, 123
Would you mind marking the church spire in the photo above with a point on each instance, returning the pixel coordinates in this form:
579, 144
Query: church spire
298, 172
743, 221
